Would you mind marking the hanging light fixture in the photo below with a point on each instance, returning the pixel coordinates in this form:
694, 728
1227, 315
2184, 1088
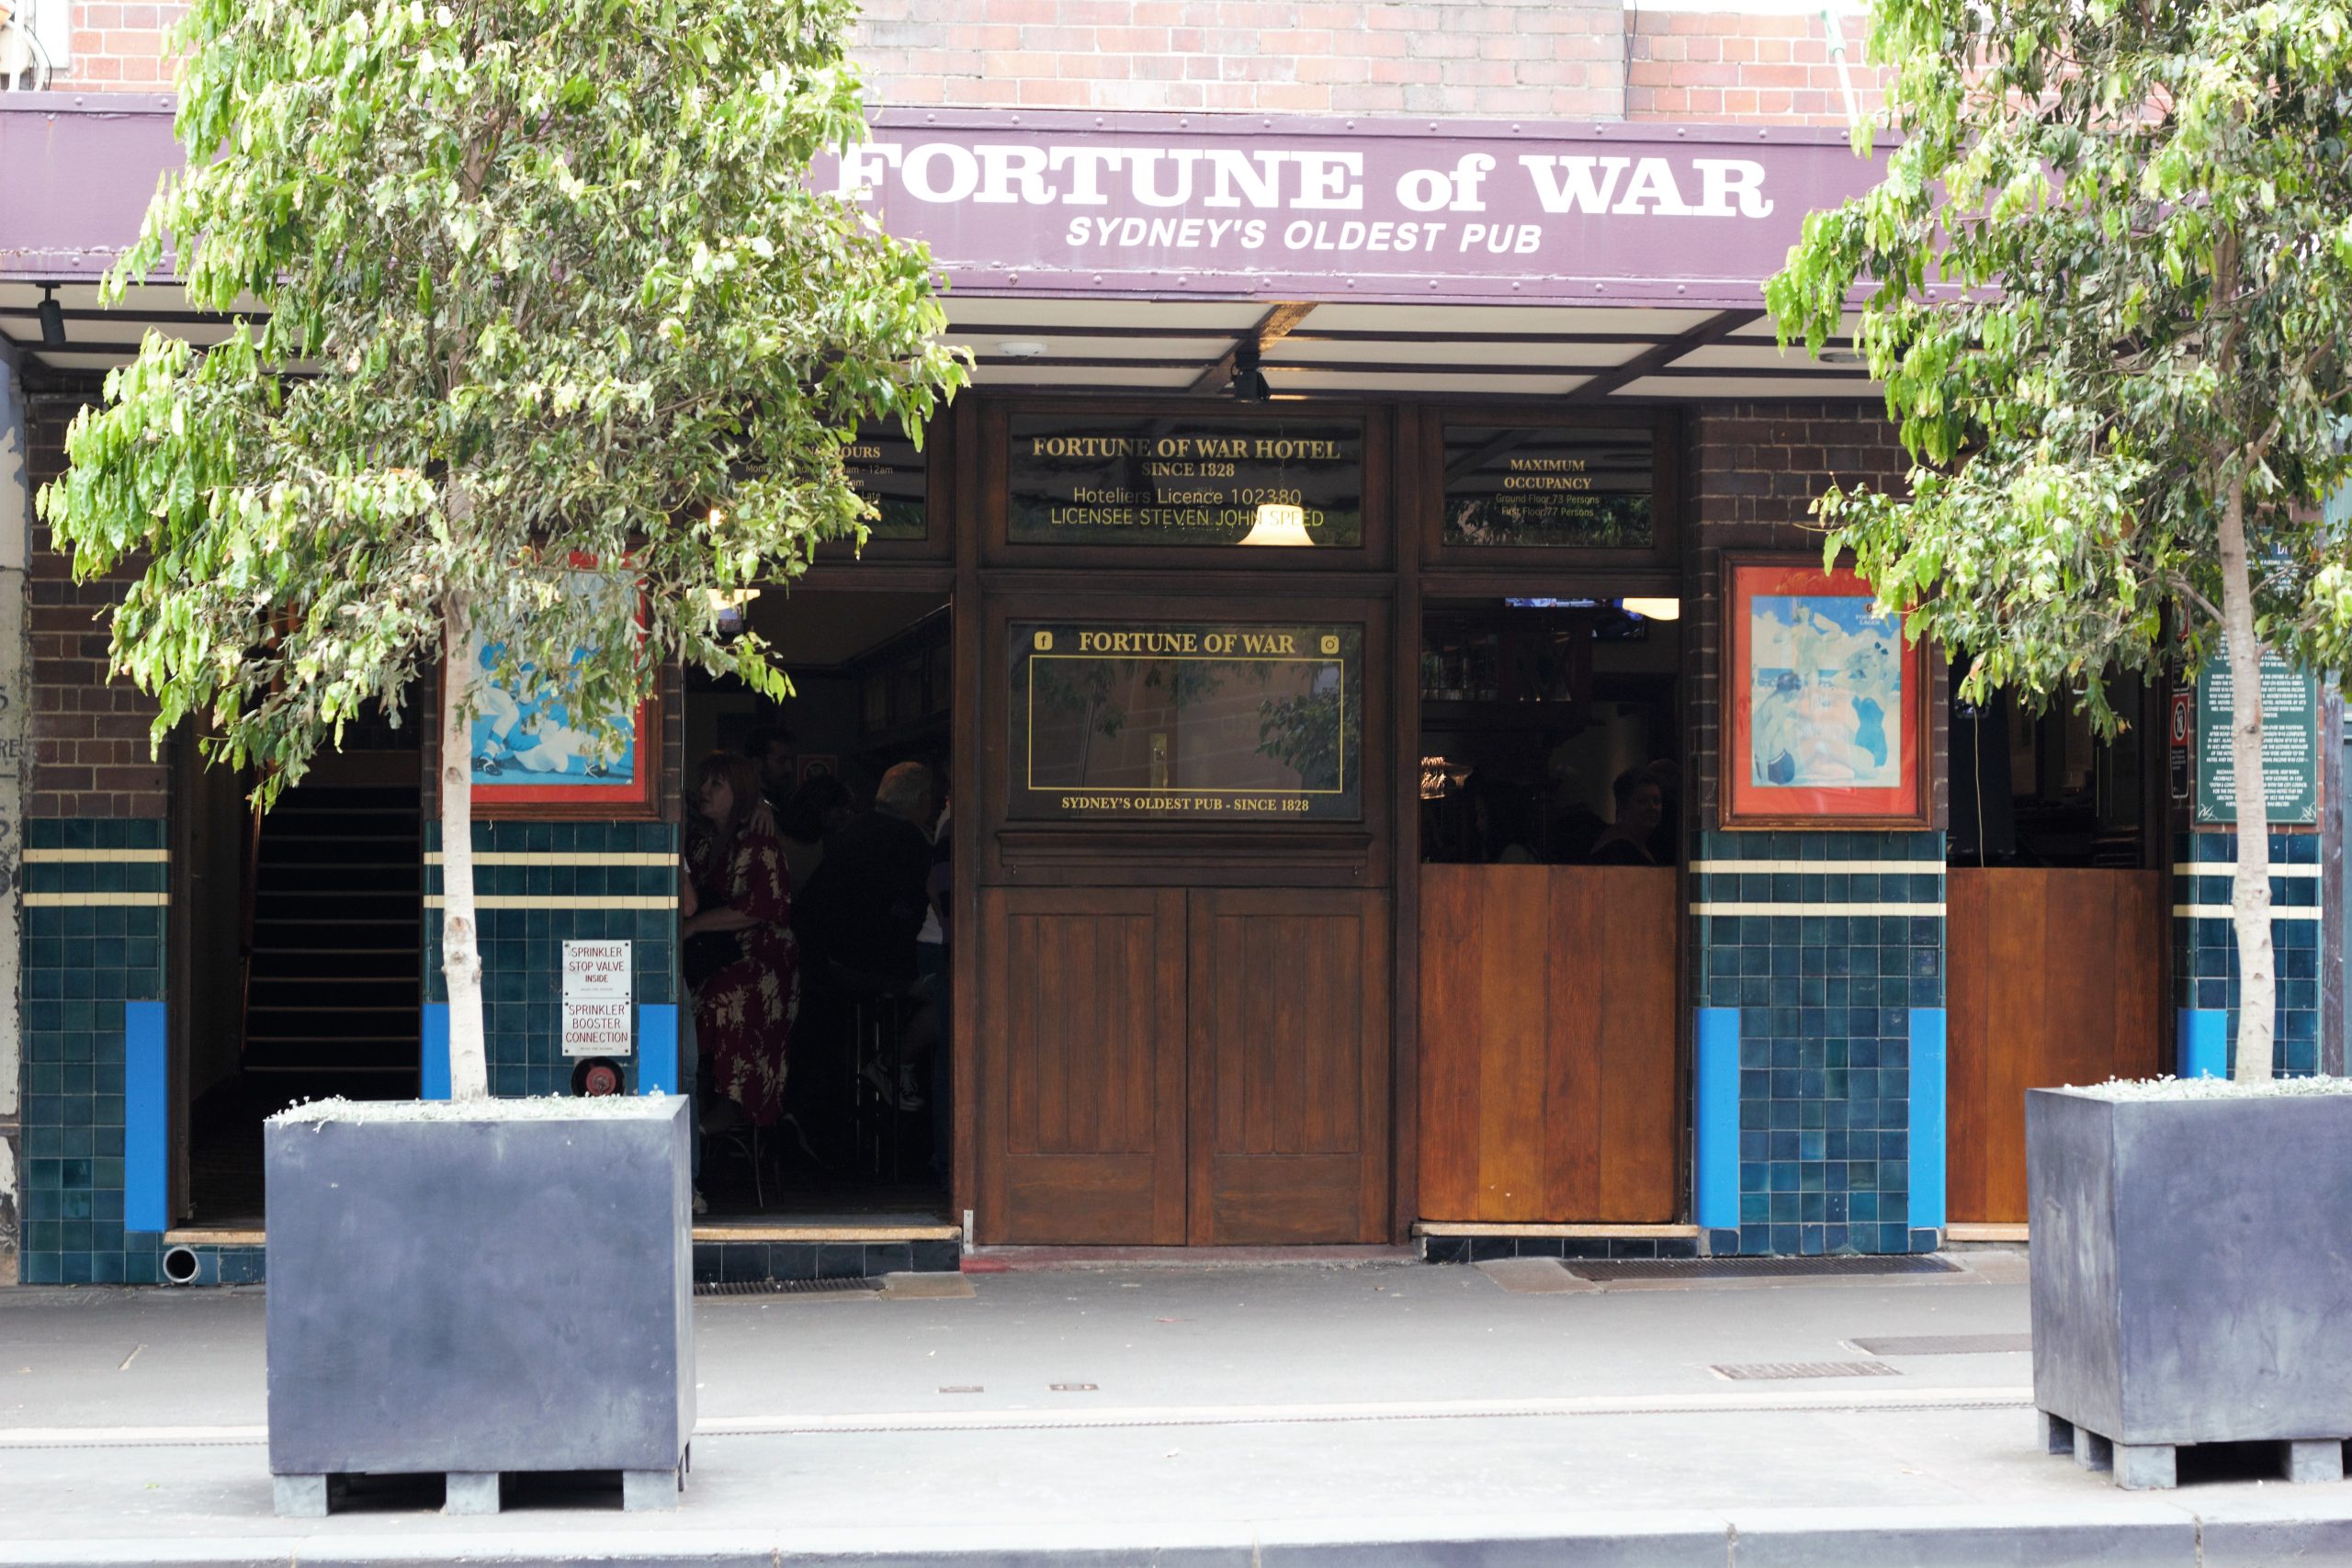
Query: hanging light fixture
1279, 525
52, 318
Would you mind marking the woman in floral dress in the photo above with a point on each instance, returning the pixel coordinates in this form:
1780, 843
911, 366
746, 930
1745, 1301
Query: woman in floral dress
743, 1010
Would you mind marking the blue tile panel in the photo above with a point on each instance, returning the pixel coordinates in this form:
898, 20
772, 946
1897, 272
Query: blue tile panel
2204, 1044
1930, 1138
1714, 1118
2205, 949
1835, 939
573, 897
146, 1133
93, 925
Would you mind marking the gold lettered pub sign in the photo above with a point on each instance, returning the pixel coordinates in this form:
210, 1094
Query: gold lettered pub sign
1188, 481
1220, 723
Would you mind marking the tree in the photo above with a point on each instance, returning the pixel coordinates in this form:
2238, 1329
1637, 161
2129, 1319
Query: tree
2107, 281
548, 298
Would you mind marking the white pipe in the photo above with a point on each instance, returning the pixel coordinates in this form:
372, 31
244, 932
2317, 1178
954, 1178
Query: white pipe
1837, 40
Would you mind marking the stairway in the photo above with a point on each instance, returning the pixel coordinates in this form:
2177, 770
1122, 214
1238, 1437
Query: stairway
334, 938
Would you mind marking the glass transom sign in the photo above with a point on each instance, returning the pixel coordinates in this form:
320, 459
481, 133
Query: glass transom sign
885, 466
1549, 486
1194, 721
1825, 703
1167, 480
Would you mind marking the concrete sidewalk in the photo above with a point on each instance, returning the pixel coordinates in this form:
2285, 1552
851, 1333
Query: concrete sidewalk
1245, 1415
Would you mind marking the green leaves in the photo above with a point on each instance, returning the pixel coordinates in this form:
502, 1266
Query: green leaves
553, 265
2034, 281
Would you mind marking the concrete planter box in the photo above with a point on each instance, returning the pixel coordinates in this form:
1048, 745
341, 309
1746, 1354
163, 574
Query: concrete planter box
2192, 1275
503, 1286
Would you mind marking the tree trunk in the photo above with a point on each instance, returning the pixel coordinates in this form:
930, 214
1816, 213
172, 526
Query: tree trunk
460, 952
2250, 896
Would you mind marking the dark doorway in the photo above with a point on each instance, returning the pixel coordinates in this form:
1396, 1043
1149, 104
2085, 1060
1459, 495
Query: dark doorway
303, 972
863, 1131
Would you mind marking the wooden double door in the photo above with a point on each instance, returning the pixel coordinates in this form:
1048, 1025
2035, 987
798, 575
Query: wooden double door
1184, 1066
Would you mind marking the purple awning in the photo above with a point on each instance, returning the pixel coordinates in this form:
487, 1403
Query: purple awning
76, 171
1165, 206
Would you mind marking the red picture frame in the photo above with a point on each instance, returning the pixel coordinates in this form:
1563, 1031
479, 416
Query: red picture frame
1842, 738
518, 794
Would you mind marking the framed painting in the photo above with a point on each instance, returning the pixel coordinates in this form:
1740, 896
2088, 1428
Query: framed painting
1825, 718
529, 758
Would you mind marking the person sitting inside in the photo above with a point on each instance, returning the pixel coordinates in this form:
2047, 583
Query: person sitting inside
868, 898
1640, 805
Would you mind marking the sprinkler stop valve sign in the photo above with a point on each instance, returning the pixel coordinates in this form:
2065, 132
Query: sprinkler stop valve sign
597, 996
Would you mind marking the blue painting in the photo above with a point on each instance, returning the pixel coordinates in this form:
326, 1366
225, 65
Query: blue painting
1828, 695
534, 741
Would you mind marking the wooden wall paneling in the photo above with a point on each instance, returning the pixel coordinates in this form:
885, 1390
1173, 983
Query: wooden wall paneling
2017, 941
1638, 1046
2144, 1035
1577, 1088
1083, 1081
972, 934
1516, 981
1289, 1064
1452, 924
1408, 506
1968, 1087
2053, 977
1549, 1064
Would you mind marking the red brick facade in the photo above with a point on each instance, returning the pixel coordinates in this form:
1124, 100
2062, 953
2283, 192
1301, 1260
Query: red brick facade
90, 736
1489, 59
1753, 470
1552, 59
120, 48
1697, 67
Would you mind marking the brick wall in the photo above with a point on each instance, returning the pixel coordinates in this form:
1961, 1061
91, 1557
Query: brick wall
1561, 59
119, 48
1699, 67
1546, 59
90, 749
1753, 470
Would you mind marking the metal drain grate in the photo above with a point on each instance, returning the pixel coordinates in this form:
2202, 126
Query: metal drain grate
1756, 1268
1946, 1345
1757, 1371
790, 1288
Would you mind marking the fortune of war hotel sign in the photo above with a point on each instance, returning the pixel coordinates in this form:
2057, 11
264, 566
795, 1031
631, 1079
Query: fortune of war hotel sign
1165, 205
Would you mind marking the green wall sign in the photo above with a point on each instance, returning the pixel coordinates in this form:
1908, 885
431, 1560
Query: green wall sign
2291, 725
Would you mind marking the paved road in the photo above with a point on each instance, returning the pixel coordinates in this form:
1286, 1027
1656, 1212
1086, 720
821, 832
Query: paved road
1249, 1411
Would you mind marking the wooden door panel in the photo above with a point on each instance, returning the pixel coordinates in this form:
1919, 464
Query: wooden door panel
1083, 1083
1288, 1024
1548, 1045
1636, 1041
2055, 976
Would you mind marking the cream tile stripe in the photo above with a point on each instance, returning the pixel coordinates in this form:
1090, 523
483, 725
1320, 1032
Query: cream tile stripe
87, 900
1795, 908
2230, 868
564, 901
1819, 867
2224, 912
560, 857
92, 857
